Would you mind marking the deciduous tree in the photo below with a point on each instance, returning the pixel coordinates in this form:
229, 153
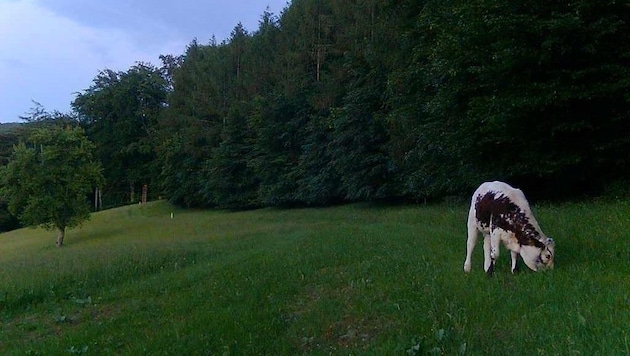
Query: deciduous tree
49, 179
120, 113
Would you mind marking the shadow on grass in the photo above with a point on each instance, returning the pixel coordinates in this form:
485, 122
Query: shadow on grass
81, 236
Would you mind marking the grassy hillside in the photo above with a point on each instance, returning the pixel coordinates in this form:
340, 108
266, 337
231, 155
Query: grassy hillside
354, 279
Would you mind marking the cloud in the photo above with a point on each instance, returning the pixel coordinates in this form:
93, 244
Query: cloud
47, 57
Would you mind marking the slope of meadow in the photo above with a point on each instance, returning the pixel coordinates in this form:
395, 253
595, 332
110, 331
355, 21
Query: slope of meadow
357, 279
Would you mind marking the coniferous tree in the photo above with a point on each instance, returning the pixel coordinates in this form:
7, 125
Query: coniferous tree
523, 92
190, 126
344, 101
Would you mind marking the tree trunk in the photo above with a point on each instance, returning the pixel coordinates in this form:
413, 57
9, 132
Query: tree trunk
132, 193
62, 233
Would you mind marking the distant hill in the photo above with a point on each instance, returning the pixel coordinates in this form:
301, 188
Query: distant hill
9, 126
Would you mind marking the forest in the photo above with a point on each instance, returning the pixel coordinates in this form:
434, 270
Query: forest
336, 101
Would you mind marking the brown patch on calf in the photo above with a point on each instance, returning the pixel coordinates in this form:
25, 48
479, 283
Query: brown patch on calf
507, 216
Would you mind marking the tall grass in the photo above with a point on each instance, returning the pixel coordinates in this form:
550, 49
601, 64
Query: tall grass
355, 279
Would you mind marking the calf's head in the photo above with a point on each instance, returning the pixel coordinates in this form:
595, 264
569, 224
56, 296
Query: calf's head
539, 258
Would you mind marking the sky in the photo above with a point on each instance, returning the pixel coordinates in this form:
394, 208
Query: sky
52, 49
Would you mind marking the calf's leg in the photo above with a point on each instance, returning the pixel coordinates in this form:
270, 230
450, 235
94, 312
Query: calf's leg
488, 266
514, 259
470, 244
494, 241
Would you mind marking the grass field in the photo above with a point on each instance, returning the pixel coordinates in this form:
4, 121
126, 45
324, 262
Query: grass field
358, 279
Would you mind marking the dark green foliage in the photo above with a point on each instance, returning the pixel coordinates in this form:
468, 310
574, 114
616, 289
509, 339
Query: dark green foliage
9, 136
49, 178
337, 101
276, 150
189, 127
527, 92
359, 136
230, 180
8, 221
120, 113
181, 156
319, 181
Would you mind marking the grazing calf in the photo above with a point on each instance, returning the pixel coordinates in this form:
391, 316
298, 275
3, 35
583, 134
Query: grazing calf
501, 213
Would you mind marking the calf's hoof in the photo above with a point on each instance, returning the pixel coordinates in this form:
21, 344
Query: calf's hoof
490, 270
467, 267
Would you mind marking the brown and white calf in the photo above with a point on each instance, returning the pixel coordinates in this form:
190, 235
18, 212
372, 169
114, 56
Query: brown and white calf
502, 214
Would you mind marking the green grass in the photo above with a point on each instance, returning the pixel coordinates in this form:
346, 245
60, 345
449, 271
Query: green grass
355, 279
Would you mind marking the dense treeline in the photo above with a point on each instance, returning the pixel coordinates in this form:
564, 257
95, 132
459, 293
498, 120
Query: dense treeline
120, 113
336, 101
8, 138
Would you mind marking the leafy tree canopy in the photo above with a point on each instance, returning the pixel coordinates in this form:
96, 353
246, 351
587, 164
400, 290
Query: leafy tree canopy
50, 177
119, 113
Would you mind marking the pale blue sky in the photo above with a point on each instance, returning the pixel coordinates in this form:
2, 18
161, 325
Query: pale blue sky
51, 49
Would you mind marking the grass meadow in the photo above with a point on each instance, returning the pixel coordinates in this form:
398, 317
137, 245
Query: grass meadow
356, 279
